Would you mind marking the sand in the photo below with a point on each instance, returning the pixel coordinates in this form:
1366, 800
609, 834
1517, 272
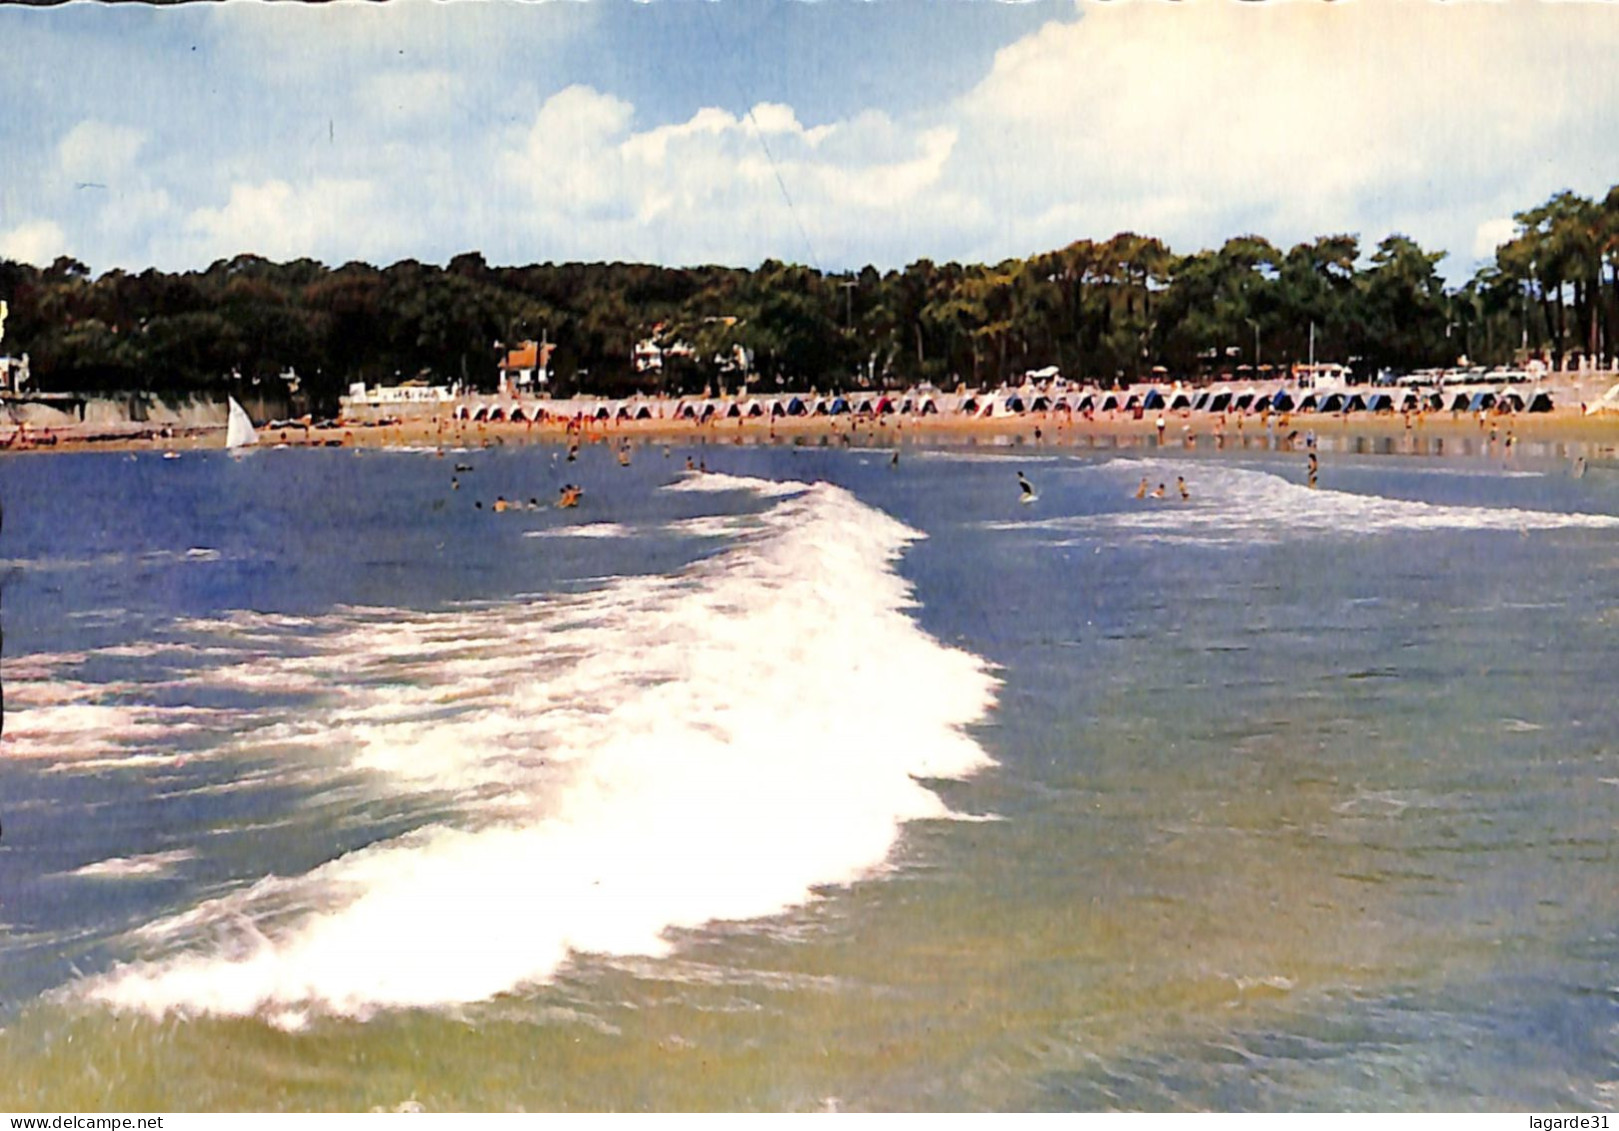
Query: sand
1557, 433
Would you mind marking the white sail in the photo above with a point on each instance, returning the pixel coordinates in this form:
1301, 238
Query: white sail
240, 431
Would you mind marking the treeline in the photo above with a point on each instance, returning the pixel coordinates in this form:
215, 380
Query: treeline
1120, 309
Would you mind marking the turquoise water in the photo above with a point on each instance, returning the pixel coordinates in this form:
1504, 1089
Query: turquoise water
816, 782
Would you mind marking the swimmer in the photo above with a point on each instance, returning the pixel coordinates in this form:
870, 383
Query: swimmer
1028, 488
1158, 491
501, 504
1141, 491
1180, 481
1315, 465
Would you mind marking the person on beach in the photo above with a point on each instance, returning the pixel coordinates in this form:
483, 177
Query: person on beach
1160, 425
1141, 491
1315, 466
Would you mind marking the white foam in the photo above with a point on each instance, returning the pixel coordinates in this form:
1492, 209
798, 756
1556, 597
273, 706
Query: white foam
657, 753
719, 481
125, 867
1233, 505
586, 530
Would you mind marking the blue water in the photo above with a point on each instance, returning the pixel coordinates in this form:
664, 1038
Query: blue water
889, 794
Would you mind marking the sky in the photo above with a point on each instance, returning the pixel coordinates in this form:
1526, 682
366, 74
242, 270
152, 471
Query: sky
834, 133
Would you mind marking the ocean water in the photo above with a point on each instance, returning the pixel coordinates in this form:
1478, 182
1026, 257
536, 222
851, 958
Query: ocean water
812, 782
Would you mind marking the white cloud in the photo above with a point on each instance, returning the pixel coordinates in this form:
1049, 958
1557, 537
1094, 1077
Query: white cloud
1492, 234
728, 188
38, 242
279, 221
98, 151
1293, 119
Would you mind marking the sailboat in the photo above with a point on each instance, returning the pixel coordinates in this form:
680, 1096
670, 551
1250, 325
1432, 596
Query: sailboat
239, 433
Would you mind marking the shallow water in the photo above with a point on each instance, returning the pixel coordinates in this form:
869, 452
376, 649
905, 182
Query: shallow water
819, 782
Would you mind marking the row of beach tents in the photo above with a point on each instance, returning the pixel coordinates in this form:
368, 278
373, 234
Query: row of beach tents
1000, 403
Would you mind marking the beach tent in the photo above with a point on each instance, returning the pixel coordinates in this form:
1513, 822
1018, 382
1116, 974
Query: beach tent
1110, 403
1460, 403
928, 407
1410, 402
1202, 401
643, 413
1153, 400
795, 407
885, 406
1510, 402
482, 413
1380, 402
1040, 404
1180, 401
1282, 401
603, 412
1332, 402
1481, 401
1132, 402
1242, 402
1061, 405
1540, 402
1012, 404
1086, 403
709, 409
518, 414
754, 410
838, 407
1220, 401
623, 413
686, 412
970, 405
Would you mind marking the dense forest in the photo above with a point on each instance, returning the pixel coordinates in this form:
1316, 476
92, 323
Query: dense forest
1121, 309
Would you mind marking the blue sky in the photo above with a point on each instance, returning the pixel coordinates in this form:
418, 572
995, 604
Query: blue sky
835, 132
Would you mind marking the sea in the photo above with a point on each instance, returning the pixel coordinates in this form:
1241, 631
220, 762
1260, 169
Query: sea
823, 776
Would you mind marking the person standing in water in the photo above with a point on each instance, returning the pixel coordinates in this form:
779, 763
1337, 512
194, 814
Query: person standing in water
1028, 488
1141, 491
1315, 466
1180, 482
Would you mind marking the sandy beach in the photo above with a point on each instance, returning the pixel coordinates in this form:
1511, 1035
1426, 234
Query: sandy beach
1562, 432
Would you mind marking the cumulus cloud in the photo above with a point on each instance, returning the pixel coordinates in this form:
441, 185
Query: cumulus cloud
1200, 120
395, 131
281, 221
37, 241
723, 187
